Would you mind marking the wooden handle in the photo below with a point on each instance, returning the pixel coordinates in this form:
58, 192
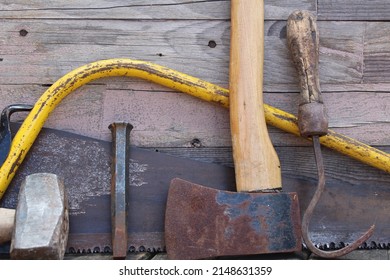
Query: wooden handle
303, 42
256, 163
7, 217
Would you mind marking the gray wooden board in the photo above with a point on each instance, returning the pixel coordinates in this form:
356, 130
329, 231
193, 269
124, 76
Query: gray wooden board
142, 9
376, 10
54, 47
353, 63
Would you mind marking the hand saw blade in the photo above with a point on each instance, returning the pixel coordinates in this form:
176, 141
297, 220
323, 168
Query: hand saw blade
84, 164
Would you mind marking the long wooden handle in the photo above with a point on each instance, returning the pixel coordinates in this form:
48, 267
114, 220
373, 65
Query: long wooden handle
256, 163
7, 217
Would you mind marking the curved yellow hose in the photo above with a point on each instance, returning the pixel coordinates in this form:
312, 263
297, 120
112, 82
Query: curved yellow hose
34, 122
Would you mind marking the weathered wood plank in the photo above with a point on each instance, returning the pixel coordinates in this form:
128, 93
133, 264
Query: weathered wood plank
116, 9
142, 9
281, 9
52, 48
341, 55
376, 52
160, 122
168, 119
353, 10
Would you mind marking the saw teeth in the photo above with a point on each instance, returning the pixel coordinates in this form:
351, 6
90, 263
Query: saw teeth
108, 250
374, 245
141, 249
365, 246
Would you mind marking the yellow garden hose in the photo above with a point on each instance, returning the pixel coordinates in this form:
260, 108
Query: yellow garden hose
34, 122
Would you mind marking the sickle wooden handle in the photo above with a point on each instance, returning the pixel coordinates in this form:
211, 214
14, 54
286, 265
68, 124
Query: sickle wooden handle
256, 163
303, 42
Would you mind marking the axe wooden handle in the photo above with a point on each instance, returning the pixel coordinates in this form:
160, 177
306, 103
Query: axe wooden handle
256, 163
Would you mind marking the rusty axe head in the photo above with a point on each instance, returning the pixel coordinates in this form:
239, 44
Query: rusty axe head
202, 222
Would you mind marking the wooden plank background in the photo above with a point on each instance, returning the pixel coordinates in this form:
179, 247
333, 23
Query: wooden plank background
40, 41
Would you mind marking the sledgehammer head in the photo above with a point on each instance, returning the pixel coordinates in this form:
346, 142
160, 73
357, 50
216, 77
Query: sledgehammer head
41, 221
202, 222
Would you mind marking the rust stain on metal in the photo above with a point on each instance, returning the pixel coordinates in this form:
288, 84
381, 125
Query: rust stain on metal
227, 223
312, 205
119, 236
119, 184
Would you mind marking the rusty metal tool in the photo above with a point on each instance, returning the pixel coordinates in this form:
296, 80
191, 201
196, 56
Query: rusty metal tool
40, 224
303, 41
119, 184
201, 222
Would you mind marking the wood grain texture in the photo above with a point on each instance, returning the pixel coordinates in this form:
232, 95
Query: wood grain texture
376, 52
52, 48
353, 10
141, 9
303, 42
256, 163
159, 122
7, 217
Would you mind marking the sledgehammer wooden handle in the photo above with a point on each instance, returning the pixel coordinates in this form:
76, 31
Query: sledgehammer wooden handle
7, 217
256, 163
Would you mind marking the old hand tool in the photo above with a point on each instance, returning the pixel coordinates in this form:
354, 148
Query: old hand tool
41, 224
303, 41
119, 185
173, 79
201, 222
5, 129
